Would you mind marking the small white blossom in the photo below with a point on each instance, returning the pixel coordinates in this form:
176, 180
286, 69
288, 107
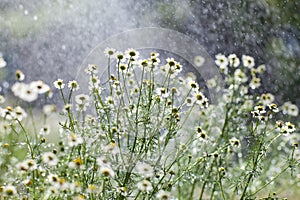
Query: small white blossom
20, 76
267, 98
50, 159
107, 171
49, 109
240, 76
163, 195
144, 186
255, 83
109, 52
144, 169
198, 61
221, 60
73, 85
40, 86
74, 140
59, 84
248, 61
2, 62
9, 191
234, 61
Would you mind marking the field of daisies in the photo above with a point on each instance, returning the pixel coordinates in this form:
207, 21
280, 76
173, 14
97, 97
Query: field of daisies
148, 131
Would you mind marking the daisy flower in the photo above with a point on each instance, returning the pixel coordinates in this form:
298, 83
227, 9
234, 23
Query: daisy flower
49, 109
50, 159
59, 84
9, 191
154, 54
289, 127
53, 179
91, 69
20, 76
107, 171
120, 56
193, 85
145, 170
45, 130
163, 195
199, 97
74, 140
234, 61
154, 61
293, 110
109, 52
2, 62
110, 100
273, 107
171, 62
132, 53
2, 99
240, 76
82, 99
248, 61
7, 113
267, 98
144, 186
25, 92
235, 142
40, 86
255, 83
73, 85
261, 69
221, 60
20, 113
162, 92
198, 61
189, 101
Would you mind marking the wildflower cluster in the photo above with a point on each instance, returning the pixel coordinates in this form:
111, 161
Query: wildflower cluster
147, 131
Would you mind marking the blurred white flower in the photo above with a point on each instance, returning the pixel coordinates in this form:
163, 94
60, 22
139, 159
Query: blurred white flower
73, 85
24, 92
74, 140
20, 113
20, 76
109, 52
2, 99
198, 61
248, 61
50, 159
163, 195
2, 62
221, 60
240, 76
107, 171
91, 69
293, 110
255, 83
132, 53
9, 191
267, 98
59, 84
45, 130
234, 61
40, 86
144, 186
144, 170
162, 92
261, 69
49, 109
82, 99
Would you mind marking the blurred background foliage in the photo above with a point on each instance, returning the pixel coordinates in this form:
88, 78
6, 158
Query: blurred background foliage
48, 39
